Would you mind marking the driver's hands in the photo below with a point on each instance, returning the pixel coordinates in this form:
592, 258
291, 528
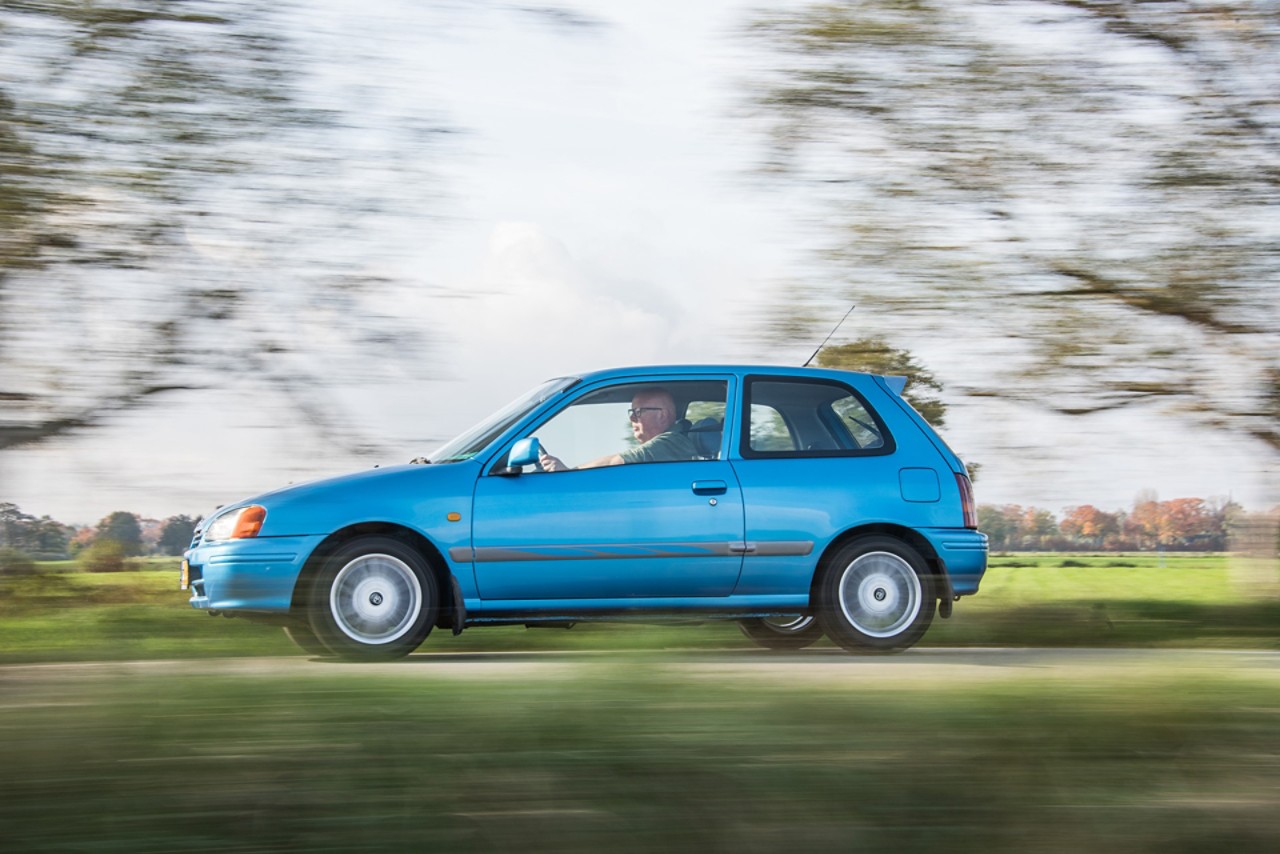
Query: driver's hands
550, 463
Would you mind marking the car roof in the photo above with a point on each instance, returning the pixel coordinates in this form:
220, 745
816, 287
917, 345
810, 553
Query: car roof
696, 369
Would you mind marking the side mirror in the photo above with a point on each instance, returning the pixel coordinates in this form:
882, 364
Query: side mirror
523, 453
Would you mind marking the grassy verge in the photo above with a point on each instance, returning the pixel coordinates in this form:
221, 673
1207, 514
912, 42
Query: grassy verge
1026, 600
1114, 600
627, 757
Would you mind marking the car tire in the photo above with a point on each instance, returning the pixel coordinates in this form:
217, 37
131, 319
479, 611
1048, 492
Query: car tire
305, 639
374, 598
876, 595
791, 632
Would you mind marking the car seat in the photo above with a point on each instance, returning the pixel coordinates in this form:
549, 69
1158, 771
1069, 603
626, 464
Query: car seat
706, 435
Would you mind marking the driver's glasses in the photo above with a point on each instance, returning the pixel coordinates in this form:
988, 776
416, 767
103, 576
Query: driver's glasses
634, 414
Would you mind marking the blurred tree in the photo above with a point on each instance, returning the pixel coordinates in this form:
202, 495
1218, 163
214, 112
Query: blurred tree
1181, 523
103, 556
1228, 517
874, 356
175, 536
13, 524
15, 563
1010, 526
1143, 522
182, 208
1089, 524
1185, 522
51, 539
1037, 528
995, 522
122, 528
81, 540
1093, 185
43, 537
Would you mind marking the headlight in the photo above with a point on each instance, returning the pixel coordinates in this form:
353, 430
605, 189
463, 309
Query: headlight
237, 524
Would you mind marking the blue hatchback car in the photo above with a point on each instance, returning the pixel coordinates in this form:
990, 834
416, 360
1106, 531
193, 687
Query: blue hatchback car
798, 502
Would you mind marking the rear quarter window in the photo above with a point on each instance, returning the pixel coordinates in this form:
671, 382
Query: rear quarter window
810, 418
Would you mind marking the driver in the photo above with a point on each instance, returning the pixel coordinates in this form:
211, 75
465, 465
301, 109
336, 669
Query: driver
653, 423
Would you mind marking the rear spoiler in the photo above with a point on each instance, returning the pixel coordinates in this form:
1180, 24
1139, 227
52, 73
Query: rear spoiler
896, 384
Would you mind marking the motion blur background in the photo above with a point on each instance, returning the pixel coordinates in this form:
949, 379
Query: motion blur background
250, 242
247, 243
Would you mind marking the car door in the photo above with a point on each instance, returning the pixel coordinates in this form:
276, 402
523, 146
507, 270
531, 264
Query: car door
669, 529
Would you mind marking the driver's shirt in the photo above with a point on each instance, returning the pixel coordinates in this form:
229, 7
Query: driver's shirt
672, 446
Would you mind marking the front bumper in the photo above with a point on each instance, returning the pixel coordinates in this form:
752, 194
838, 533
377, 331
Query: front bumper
257, 574
963, 552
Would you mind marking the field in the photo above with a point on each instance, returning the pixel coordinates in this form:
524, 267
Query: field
653, 738
1146, 600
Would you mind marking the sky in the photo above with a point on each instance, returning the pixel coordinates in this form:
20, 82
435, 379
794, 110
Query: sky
597, 206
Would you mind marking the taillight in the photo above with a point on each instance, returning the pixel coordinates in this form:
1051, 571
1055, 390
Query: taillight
969, 509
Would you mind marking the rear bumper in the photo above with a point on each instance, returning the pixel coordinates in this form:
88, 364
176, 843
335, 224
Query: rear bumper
248, 575
963, 552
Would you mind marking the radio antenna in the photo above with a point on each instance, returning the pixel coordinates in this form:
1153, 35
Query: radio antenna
828, 338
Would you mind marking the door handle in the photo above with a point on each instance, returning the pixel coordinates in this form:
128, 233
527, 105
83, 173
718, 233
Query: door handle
710, 487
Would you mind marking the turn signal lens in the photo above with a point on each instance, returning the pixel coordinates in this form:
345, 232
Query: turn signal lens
250, 522
236, 524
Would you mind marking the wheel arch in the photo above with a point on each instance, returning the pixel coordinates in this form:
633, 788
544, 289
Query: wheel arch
445, 584
900, 532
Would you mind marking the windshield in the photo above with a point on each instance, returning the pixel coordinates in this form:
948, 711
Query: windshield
475, 440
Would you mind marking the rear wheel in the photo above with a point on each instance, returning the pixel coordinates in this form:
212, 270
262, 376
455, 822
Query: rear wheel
790, 632
375, 598
876, 595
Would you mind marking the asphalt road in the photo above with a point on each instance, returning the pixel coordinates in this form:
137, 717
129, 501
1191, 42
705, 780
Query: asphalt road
827, 666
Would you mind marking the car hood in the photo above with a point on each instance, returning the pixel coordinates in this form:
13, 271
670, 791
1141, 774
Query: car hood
295, 491
378, 494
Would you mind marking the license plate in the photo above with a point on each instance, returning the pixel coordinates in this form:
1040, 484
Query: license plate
186, 576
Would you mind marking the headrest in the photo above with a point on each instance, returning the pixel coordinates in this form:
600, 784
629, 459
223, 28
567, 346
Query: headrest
706, 436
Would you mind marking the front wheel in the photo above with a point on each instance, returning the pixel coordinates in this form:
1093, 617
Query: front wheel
876, 595
793, 632
374, 598
305, 639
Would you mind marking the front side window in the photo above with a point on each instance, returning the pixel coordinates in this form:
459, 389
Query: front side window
636, 423
810, 418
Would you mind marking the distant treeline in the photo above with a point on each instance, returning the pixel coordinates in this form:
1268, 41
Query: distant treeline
124, 533
1182, 524
1185, 524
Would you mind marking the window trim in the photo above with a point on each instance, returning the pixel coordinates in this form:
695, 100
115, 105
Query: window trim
744, 437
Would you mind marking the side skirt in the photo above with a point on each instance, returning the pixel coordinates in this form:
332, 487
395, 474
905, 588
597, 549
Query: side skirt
505, 612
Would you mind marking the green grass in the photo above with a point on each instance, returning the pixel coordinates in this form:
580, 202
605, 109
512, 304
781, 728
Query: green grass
631, 756
1146, 600
640, 750
1026, 600
63, 614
